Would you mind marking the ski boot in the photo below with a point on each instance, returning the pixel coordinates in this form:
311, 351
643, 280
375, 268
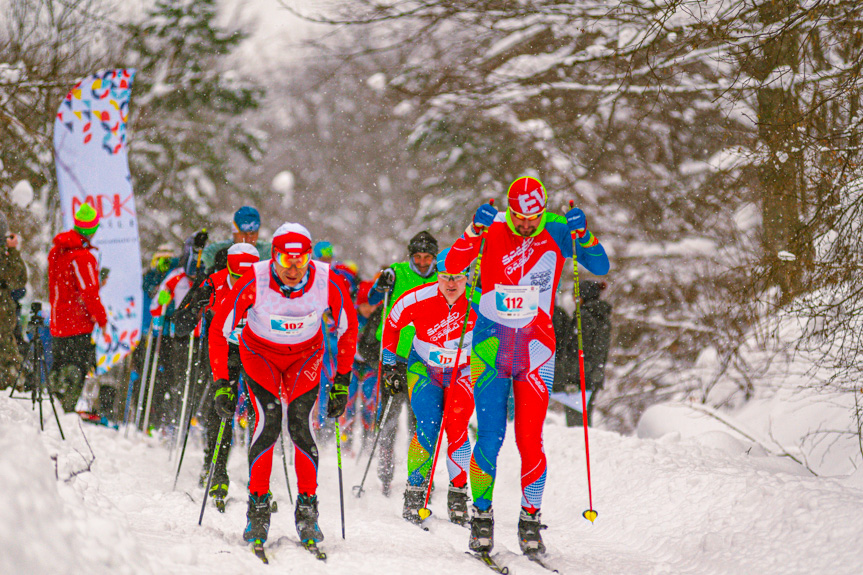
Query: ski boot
456, 500
258, 515
414, 501
219, 489
529, 536
306, 516
481, 530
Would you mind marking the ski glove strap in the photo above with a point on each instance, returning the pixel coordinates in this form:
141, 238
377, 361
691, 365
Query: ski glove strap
338, 396
395, 378
226, 399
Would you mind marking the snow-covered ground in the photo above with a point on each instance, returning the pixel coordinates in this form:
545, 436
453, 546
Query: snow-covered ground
710, 503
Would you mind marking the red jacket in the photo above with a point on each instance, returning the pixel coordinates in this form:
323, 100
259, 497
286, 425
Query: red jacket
73, 282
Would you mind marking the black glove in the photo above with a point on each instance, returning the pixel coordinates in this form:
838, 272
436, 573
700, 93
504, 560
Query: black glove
338, 399
226, 399
395, 378
200, 240
386, 281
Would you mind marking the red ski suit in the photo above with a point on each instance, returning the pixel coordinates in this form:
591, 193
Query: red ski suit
281, 347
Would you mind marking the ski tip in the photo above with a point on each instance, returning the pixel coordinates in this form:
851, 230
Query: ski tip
590, 515
424, 513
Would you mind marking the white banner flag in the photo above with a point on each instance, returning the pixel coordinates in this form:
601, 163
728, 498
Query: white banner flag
92, 167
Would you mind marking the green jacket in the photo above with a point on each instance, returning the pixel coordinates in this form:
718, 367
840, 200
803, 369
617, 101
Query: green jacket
406, 279
13, 275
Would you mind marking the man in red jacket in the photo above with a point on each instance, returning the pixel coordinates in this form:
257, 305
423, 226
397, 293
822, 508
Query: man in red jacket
73, 282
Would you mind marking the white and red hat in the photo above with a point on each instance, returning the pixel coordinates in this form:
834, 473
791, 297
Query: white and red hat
292, 239
527, 196
240, 257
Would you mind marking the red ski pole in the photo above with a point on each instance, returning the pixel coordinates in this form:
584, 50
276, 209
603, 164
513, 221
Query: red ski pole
589, 514
425, 512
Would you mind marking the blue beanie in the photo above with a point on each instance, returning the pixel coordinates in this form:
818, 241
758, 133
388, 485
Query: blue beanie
323, 249
247, 219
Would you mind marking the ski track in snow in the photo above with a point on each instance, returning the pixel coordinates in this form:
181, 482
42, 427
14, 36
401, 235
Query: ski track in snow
665, 506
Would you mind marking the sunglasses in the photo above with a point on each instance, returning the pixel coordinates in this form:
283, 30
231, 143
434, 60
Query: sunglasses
289, 261
451, 277
524, 217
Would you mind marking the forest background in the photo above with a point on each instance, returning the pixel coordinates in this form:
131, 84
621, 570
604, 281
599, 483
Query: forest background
714, 145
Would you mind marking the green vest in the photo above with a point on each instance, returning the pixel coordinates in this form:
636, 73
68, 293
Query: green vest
406, 280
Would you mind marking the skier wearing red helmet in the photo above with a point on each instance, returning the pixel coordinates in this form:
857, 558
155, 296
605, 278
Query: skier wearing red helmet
513, 341
282, 300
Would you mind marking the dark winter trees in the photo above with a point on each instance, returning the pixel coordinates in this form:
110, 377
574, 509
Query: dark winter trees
190, 139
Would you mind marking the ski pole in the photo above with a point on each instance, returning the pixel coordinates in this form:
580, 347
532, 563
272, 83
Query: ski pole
341, 488
130, 392
358, 489
589, 514
201, 343
154, 370
144, 373
175, 441
425, 512
212, 467
285, 465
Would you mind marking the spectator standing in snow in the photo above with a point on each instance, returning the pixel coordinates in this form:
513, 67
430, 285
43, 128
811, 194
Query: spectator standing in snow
13, 277
246, 225
397, 279
73, 284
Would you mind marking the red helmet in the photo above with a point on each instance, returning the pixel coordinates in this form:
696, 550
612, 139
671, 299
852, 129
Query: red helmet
527, 196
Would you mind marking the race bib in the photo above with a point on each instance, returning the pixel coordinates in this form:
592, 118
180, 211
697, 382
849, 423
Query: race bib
516, 302
444, 357
283, 325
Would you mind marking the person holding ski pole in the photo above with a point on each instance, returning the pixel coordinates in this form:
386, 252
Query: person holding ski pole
397, 279
281, 346
513, 341
440, 391
206, 298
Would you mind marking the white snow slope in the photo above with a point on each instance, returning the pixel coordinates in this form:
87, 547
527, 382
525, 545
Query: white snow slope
669, 505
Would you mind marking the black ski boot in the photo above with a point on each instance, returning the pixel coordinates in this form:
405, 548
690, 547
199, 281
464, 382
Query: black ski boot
415, 497
456, 500
481, 530
529, 536
258, 516
306, 516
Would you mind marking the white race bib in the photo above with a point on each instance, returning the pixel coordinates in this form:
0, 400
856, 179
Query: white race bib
445, 357
284, 325
516, 302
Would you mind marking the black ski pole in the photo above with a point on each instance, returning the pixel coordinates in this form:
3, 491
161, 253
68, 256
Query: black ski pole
358, 489
285, 464
212, 467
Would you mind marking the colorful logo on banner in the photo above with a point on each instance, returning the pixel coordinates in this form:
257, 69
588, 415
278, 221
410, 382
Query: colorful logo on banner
93, 168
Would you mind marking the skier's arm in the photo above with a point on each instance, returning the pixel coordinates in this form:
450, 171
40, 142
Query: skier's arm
590, 252
463, 251
88, 282
399, 317
345, 318
228, 314
386, 282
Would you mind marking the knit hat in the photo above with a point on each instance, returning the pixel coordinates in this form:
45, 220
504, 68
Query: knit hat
527, 196
86, 220
422, 243
247, 220
240, 257
292, 239
323, 250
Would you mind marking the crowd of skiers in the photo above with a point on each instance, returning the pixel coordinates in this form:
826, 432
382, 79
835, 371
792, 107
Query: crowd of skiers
276, 324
